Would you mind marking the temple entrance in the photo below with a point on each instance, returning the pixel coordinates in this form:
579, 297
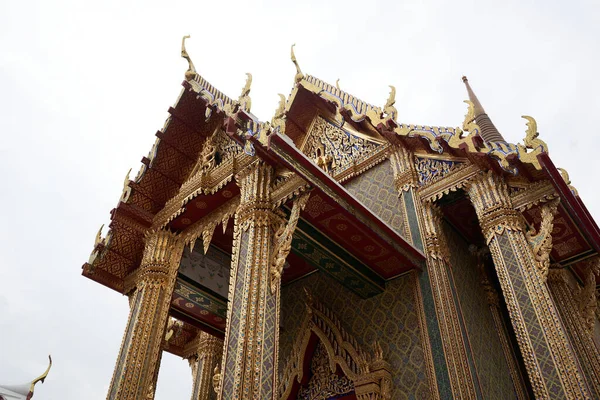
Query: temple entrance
322, 383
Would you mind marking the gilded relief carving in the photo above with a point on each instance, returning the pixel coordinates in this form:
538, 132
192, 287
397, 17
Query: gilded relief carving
335, 149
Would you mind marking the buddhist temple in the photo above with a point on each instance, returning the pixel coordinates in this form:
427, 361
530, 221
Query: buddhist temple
336, 252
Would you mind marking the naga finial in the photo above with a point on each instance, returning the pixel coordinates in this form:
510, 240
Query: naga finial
244, 99
565, 175
277, 120
41, 378
191, 71
98, 236
299, 74
389, 108
531, 140
337, 84
469, 116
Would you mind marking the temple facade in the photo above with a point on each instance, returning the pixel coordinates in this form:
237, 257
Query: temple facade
334, 252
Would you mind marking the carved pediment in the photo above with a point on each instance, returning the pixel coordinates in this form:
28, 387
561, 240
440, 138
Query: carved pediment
431, 170
335, 149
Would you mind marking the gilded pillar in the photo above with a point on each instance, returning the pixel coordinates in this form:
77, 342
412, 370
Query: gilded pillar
548, 357
572, 303
406, 181
252, 334
438, 261
204, 355
493, 300
139, 358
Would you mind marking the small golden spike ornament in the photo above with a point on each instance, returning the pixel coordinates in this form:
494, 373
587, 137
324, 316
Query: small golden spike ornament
278, 120
244, 99
389, 108
99, 237
126, 189
299, 74
565, 175
191, 73
337, 84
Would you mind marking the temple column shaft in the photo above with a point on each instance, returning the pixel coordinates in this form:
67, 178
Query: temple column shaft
570, 310
447, 366
515, 370
549, 360
204, 356
139, 359
461, 378
252, 333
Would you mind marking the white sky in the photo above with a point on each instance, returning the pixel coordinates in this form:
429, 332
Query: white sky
84, 86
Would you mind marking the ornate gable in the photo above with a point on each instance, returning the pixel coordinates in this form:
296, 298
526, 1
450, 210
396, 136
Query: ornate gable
335, 149
431, 170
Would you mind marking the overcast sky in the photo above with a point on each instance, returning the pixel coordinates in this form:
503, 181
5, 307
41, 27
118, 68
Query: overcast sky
84, 86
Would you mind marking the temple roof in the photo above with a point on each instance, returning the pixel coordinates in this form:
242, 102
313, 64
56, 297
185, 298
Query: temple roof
165, 193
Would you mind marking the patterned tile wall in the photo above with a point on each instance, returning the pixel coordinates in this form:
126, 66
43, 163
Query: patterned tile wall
375, 189
390, 317
492, 369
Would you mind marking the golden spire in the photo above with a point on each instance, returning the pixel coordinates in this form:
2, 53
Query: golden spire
299, 74
489, 133
191, 71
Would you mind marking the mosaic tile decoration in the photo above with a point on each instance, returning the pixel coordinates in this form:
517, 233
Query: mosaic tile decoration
491, 366
390, 317
375, 189
532, 322
232, 344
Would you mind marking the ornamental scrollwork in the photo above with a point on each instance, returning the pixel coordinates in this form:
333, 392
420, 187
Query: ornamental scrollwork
368, 372
541, 241
283, 241
431, 170
335, 148
531, 142
587, 296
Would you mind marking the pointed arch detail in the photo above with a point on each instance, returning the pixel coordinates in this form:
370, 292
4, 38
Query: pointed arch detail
368, 371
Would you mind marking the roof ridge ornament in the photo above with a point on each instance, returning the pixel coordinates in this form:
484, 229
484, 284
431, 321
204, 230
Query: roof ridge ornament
191, 73
337, 84
299, 74
278, 120
244, 99
389, 108
533, 143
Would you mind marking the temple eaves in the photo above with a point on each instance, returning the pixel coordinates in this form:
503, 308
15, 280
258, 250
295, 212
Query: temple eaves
489, 133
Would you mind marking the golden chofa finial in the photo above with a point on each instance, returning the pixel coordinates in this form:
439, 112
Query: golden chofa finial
299, 74
244, 99
191, 71
389, 108
337, 84
40, 378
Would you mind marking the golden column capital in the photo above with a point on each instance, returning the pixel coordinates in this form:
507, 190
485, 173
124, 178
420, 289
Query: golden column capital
489, 195
434, 238
255, 193
403, 165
